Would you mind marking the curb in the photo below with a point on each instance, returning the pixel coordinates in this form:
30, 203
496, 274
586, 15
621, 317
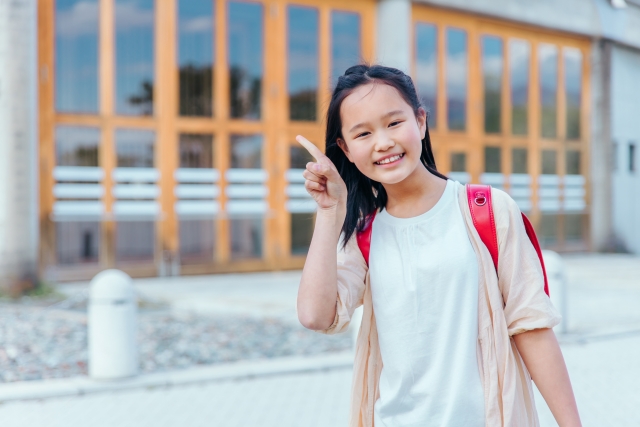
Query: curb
78, 386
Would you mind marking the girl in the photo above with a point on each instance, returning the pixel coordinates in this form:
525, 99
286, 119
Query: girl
444, 341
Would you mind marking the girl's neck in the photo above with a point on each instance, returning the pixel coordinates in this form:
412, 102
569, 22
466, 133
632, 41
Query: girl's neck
415, 195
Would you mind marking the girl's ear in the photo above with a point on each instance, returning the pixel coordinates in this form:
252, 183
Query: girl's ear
421, 118
345, 149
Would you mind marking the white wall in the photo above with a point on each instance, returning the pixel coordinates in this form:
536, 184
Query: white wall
394, 34
18, 141
625, 129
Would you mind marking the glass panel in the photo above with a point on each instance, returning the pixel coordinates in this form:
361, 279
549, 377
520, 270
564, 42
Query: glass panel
77, 242
492, 159
632, 157
456, 72
197, 241
196, 151
246, 238
299, 157
573, 87
519, 53
195, 57
76, 61
135, 241
492, 64
77, 146
245, 59
302, 225
134, 148
573, 162
458, 162
246, 151
549, 162
519, 160
345, 42
548, 60
427, 68
548, 229
303, 62
574, 227
134, 56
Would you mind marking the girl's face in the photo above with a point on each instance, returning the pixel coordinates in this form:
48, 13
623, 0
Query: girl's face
382, 135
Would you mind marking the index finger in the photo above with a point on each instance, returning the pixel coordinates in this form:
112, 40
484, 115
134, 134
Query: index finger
311, 148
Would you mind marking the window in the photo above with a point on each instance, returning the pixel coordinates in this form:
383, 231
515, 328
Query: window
134, 56
548, 63
549, 162
302, 223
456, 72
519, 53
245, 59
195, 57
492, 59
458, 162
345, 42
196, 151
135, 241
572, 162
77, 242
632, 157
134, 148
519, 160
427, 68
492, 159
573, 86
303, 62
77, 146
76, 44
197, 241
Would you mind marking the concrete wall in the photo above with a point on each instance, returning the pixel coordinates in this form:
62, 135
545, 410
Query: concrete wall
394, 34
18, 143
625, 130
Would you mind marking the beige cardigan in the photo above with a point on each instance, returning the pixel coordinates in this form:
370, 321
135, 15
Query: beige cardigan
509, 304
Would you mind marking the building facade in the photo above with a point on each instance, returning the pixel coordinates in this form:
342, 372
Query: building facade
165, 129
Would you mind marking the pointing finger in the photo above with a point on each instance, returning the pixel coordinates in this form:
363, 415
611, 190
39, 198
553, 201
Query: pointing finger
311, 148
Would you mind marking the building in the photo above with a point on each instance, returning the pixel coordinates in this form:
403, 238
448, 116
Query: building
160, 134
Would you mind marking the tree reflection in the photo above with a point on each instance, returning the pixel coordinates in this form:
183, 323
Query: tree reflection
245, 91
144, 99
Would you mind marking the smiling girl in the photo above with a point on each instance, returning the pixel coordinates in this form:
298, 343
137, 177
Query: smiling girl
444, 340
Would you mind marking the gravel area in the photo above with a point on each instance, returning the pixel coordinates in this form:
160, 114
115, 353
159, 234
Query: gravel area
39, 342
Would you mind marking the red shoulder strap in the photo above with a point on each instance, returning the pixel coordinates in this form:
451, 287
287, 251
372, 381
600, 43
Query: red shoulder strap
534, 241
479, 199
364, 237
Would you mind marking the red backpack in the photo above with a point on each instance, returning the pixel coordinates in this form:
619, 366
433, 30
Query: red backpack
479, 198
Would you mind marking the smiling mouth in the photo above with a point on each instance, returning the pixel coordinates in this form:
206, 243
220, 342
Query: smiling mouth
390, 159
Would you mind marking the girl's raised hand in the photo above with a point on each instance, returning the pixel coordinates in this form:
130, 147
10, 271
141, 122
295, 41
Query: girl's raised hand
322, 180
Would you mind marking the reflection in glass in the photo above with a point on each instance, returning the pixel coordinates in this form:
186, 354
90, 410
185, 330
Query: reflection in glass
246, 238
134, 148
573, 162
573, 86
246, 151
519, 53
245, 59
427, 68
197, 241
548, 229
492, 159
77, 146
134, 57
76, 62
135, 241
548, 61
195, 57
345, 42
302, 225
456, 72
302, 61
574, 227
458, 162
492, 64
299, 157
519, 160
77, 242
549, 162
196, 151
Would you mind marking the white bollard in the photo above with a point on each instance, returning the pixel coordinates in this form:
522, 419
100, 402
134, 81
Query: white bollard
113, 326
557, 286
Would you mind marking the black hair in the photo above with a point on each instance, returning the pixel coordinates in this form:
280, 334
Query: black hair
364, 195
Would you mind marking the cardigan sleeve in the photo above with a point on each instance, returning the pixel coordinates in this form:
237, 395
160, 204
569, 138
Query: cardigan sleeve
352, 272
520, 277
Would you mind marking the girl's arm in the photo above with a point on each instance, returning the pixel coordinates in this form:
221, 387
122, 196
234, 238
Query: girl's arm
542, 356
318, 290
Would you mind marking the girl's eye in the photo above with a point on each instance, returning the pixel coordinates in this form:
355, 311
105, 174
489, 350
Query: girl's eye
362, 134
397, 122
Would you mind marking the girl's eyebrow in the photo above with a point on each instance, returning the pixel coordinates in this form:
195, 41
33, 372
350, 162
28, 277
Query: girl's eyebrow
389, 114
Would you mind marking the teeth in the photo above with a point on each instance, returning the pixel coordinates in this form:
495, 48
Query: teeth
390, 159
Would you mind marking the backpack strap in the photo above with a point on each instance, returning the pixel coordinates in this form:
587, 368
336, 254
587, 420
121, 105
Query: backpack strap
364, 237
534, 241
479, 199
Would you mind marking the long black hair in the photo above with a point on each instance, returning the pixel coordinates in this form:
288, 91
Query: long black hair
364, 195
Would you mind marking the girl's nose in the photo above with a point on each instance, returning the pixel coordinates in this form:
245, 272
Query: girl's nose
384, 142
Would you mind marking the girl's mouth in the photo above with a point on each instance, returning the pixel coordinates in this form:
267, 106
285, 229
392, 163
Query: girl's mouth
389, 160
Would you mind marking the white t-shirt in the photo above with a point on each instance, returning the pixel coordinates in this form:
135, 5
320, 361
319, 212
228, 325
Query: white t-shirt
424, 284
